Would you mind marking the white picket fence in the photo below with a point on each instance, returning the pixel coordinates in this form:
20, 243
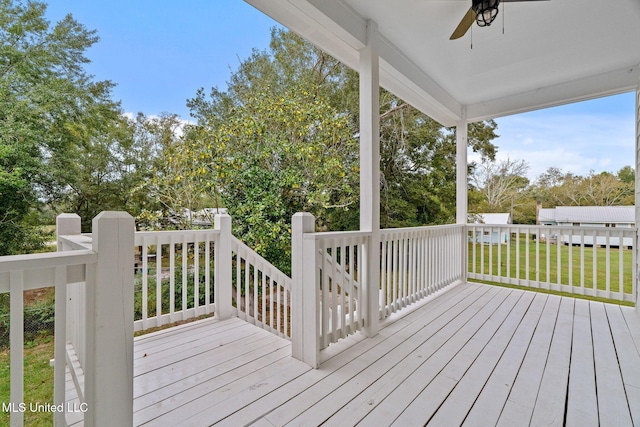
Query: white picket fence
592, 261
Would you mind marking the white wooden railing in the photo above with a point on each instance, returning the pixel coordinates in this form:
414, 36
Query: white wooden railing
330, 286
174, 276
328, 270
326, 300
96, 271
193, 269
593, 261
262, 293
339, 265
416, 262
25, 272
189, 269
76, 304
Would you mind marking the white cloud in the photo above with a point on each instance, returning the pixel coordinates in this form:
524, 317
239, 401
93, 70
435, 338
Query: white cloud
577, 142
179, 131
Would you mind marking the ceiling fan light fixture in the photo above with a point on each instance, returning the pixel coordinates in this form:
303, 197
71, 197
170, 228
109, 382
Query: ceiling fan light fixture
486, 11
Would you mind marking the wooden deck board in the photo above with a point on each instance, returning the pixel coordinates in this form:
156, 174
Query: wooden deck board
523, 394
382, 357
551, 399
582, 402
488, 406
452, 340
425, 405
613, 407
628, 357
438, 308
425, 341
471, 384
476, 355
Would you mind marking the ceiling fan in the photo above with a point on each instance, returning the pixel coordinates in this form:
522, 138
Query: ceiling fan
483, 12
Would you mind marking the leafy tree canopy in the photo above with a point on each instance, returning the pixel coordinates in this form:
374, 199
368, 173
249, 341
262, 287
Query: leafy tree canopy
283, 138
48, 104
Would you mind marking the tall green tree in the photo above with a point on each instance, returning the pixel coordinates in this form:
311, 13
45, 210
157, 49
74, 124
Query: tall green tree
557, 188
177, 181
47, 104
277, 155
289, 122
106, 167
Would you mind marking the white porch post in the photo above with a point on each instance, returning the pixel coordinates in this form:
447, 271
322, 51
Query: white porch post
637, 244
109, 309
461, 185
370, 173
461, 170
222, 292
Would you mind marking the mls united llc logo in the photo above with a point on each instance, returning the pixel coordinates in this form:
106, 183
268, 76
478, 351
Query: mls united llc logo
44, 407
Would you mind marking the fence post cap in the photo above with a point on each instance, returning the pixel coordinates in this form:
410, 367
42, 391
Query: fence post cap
112, 215
222, 221
303, 214
68, 215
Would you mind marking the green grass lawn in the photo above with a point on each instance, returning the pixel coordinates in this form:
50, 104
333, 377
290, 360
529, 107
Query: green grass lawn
593, 275
38, 382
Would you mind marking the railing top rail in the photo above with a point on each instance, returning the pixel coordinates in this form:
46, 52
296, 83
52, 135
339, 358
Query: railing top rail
414, 229
176, 232
77, 241
241, 248
45, 260
336, 235
173, 235
569, 228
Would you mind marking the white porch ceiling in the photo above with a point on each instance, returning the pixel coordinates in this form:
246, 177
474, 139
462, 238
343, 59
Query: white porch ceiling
552, 52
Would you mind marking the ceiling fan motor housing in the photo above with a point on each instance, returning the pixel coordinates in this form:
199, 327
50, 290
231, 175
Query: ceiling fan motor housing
486, 11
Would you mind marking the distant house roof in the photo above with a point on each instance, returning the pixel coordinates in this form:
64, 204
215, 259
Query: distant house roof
493, 218
547, 215
589, 214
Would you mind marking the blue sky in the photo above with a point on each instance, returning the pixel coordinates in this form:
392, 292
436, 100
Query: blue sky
160, 52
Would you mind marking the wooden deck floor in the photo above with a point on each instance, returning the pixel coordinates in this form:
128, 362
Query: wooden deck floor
476, 355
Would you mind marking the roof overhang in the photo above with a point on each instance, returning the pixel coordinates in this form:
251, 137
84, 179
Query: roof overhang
551, 53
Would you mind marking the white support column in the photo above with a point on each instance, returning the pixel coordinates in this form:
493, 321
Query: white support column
370, 173
305, 328
67, 224
222, 291
461, 170
637, 243
109, 309
462, 205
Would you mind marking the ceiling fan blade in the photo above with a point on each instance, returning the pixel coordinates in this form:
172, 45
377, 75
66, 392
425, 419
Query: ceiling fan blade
464, 25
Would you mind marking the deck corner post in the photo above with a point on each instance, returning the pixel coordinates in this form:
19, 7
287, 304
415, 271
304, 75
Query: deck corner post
109, 322
67, 224
305, 328
223, 269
